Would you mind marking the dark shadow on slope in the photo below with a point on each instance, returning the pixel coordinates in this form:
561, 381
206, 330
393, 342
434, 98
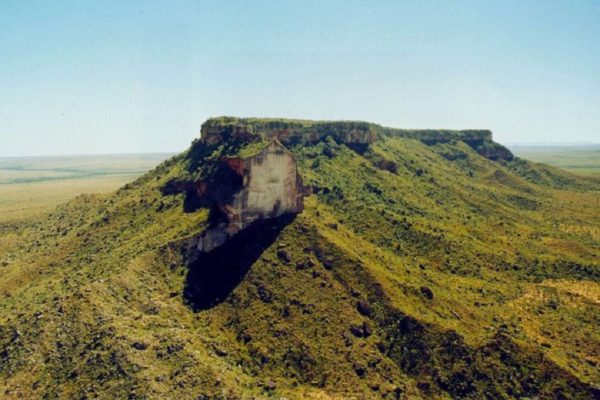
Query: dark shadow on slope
214, 275
359, 148
218, 188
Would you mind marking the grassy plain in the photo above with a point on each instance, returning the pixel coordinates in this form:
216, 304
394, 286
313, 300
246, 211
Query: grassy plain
578, 159
31, 186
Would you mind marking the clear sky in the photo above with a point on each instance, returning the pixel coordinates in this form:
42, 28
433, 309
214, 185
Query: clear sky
115, 76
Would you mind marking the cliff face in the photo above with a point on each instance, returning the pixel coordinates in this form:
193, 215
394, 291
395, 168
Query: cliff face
266, 185
288, 132
351, 133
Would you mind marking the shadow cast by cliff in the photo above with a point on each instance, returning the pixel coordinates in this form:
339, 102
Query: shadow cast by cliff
214, 275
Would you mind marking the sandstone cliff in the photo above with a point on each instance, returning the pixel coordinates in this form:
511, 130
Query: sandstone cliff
352, 133
217, 130
246, 189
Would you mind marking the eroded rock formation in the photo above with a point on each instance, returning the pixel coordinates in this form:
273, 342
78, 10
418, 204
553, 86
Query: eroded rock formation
288, 131
355, 134
266, 185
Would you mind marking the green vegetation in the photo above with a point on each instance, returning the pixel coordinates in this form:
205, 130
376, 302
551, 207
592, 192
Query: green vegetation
415, 271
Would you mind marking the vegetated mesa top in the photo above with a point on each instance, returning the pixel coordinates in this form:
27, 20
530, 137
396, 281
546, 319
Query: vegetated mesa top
290, 131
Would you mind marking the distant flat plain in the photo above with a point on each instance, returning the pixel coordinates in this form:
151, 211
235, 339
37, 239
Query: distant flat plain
580, 159
32, 186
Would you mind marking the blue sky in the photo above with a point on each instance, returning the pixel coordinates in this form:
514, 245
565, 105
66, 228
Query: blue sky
106, 77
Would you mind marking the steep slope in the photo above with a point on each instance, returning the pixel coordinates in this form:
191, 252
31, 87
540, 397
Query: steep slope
425, 265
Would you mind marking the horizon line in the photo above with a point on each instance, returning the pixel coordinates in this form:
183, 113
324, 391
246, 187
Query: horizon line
171, 152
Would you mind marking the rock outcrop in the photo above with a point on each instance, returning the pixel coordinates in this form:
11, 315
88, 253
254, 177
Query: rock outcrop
216, 130
266, 185
355, 134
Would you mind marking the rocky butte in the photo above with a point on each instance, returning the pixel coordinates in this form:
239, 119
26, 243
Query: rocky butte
263, 182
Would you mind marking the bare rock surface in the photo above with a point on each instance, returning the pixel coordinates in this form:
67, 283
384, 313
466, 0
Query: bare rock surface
264, 186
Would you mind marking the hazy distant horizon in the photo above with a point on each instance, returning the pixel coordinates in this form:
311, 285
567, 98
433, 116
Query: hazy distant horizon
140, 77
84, 155
172, 153
551, 144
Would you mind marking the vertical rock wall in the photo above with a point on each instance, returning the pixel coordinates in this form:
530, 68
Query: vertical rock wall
270, 186
352, 133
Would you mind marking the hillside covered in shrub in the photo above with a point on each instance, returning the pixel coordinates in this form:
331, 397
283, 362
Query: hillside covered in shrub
424, 265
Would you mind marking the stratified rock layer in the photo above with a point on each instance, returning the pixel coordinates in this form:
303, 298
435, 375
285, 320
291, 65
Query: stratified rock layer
218, 130
352, 133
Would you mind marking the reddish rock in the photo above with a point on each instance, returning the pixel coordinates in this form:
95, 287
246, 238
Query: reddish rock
267, 186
